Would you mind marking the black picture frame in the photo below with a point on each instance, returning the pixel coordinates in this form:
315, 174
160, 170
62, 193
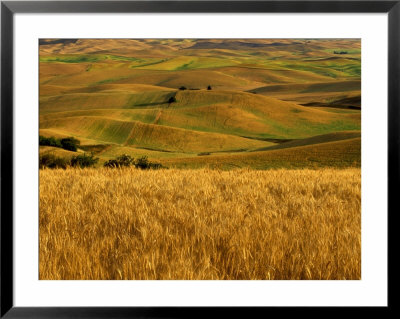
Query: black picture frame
9, 8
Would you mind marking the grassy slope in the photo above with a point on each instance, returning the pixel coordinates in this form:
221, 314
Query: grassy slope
333, 86
331, 137
331, 154
158, 137
332, 94
56, 151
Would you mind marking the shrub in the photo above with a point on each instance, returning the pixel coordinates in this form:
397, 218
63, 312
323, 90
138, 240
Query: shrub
111, 163
182, 88
70, 143
120, 161
155, 165
52, 161
84, 160
143, 163
209, 87
172, 99
126, 160
203, 153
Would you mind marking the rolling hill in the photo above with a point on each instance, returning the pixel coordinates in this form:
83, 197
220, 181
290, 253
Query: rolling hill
250, 101
345, 153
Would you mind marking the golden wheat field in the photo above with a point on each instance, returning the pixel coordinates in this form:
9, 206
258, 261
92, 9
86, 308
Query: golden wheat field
200, 224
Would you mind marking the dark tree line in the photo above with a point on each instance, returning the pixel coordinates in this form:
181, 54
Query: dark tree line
53, 161
126, 161
88, 160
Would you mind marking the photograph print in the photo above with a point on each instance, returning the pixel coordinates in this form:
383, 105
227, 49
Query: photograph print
199, 159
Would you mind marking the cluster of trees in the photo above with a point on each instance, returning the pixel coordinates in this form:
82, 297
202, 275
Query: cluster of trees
88, 160
51, 161
68, 143
126, 161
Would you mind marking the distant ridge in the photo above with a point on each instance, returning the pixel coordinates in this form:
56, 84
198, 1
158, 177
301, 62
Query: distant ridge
57, 41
